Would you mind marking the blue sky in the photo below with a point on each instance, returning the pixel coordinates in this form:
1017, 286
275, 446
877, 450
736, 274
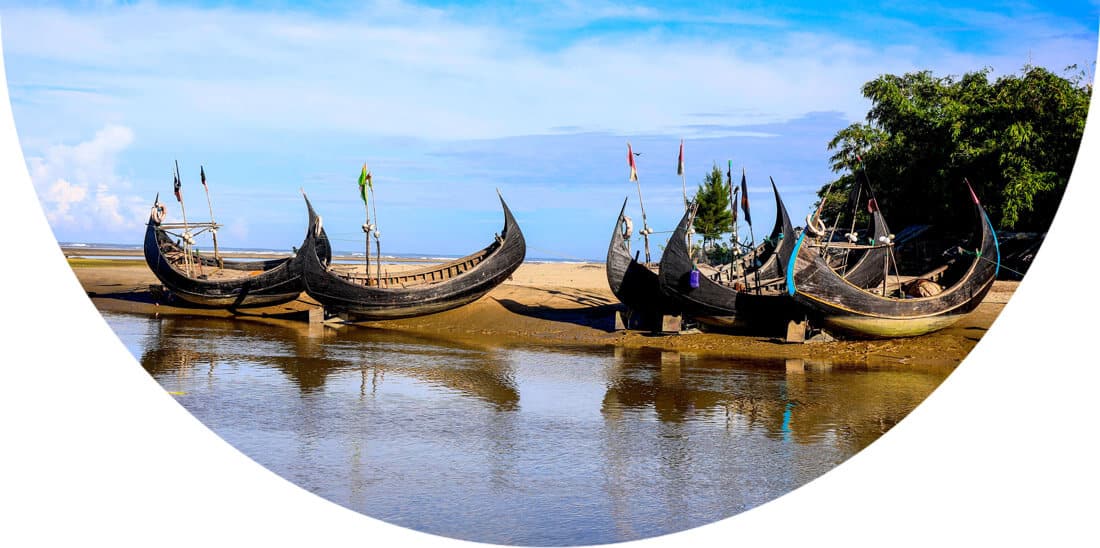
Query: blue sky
448, 101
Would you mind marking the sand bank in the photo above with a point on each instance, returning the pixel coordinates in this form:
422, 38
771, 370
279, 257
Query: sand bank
563, 304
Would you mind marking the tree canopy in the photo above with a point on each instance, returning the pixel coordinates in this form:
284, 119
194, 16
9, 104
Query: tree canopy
713, 216
1015, 139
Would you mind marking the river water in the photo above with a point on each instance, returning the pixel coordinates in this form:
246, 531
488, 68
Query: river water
519, 445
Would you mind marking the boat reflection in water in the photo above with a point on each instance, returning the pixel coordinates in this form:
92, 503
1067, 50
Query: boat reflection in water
519, 445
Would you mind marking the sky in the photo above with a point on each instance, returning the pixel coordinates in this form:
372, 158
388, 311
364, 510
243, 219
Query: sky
448, 102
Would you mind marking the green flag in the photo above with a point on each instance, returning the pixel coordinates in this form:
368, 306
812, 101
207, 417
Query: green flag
365, 182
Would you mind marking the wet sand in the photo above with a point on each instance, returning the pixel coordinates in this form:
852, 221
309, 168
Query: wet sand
562, 304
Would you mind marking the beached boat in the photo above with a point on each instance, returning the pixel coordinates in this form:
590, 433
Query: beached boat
718, 297
633, 282
208, 281
758, 297
907, 306
411, 293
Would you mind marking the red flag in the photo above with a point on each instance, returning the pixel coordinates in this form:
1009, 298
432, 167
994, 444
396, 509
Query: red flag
202, 176
745, 198
872, 205
176, 188
680, 164
630, 160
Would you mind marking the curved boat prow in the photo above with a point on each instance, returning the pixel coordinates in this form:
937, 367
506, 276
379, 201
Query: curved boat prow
511, 227
837, 304
408, 293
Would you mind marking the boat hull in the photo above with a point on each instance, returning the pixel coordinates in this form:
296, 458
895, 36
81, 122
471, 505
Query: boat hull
460, 282
267, 283
836, 304
635, 285
721, 304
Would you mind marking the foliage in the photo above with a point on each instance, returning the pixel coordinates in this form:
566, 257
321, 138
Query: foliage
713, 216
1014, 139
719, 253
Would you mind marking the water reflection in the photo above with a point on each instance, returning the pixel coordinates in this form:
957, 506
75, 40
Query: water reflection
788, 399
543, 446
308, 354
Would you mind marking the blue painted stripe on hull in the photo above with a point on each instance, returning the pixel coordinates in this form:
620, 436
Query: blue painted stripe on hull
790, 264
996, 244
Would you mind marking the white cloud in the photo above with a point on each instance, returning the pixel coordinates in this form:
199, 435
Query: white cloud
63, 195
79, 188
394, 68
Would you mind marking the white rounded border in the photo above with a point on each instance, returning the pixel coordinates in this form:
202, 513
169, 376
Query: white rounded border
94, 450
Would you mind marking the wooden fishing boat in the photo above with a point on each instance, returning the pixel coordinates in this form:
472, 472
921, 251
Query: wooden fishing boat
909, 307
758, 298
717, 299
634, 283
411, 293
207, 281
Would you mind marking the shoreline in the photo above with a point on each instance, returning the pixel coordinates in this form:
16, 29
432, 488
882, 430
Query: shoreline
556, 305
94, 253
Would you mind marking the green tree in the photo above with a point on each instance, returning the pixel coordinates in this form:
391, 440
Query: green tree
1015, 139
713, 216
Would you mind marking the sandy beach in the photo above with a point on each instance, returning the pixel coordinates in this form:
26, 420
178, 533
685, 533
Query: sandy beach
556, 304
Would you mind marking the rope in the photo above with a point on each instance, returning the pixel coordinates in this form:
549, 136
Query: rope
978, 254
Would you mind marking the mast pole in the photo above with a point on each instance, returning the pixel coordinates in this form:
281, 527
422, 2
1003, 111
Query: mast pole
752, 237
683, 176
183, 210
736, 270
186, 229
364, 178
366, 253
367, 228
634, 177
377, 237
645, 224
213, 225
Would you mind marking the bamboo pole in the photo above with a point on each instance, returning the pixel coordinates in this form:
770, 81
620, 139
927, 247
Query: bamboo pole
377, 237
187, 262
213, 225
736, 270
366, 253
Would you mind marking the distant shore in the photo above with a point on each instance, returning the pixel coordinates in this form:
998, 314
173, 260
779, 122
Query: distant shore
74, 252
549, 304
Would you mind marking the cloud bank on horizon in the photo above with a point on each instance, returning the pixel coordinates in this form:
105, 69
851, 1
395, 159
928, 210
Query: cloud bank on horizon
446, 101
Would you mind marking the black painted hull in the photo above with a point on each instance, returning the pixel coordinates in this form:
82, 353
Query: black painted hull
272, 282
720, 304
356, 301
634, 284
838, 305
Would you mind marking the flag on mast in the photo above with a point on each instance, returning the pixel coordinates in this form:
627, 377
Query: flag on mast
630, 160
733, 191
680, 164
745, 197
176, 188
202, 177
365, 182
